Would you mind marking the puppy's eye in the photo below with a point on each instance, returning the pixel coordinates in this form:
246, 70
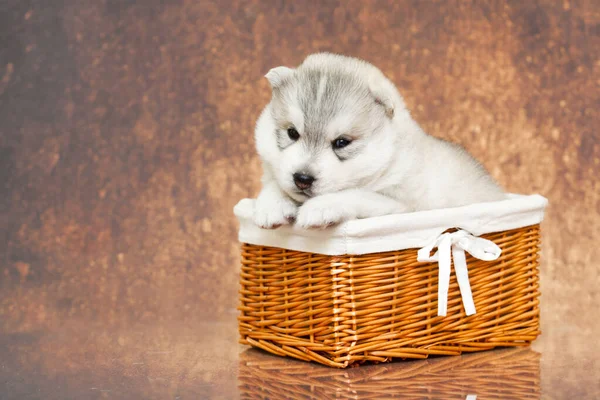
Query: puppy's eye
293, 134
340, 143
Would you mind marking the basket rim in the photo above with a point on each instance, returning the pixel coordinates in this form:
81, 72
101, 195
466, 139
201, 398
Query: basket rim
397, 231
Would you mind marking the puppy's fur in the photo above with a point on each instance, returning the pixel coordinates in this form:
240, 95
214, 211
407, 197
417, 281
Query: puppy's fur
389, 166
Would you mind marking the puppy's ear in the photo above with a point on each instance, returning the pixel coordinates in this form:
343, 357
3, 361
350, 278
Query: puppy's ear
382, 97
277, 75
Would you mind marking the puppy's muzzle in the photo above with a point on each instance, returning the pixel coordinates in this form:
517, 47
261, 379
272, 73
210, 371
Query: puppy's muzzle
303, 181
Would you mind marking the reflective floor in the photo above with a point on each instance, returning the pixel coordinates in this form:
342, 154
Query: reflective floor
204, 361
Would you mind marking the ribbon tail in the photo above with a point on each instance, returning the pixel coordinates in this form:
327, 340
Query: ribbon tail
462, 276
444, 275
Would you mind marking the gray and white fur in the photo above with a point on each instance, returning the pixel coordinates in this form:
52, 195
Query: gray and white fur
337, 143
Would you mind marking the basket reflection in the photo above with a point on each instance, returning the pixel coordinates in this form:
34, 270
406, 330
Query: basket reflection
498, 374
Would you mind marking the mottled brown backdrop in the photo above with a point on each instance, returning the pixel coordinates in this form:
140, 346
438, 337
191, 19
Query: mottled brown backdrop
126, 137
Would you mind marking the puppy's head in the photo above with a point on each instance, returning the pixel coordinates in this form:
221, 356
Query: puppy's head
328, 126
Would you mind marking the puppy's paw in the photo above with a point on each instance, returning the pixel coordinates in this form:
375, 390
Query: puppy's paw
273, 212
320, 213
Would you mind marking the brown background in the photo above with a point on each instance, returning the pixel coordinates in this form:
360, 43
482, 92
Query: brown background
127, 138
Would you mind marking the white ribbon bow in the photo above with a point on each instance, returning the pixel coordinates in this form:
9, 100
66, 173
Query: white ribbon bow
458, 242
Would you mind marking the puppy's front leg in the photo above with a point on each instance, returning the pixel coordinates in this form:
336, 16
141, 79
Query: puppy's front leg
273, 207
333, 208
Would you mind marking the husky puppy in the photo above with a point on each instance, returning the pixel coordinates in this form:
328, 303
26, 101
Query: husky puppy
337, 143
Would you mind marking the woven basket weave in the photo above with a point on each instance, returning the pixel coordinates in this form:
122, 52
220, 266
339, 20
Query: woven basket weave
503, 374
347, 310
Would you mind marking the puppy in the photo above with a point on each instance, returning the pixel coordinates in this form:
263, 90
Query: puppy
337, 143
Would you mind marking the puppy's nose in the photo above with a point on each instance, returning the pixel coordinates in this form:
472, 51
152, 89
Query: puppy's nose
303, 181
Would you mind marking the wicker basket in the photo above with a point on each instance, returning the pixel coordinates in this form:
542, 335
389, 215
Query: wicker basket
503, 374
341, 310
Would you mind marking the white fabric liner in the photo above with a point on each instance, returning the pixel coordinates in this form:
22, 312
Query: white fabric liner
395, 232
